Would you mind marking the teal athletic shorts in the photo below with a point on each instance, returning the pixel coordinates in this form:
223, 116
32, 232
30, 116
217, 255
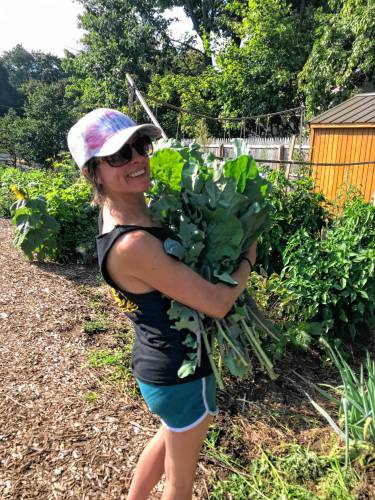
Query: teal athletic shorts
181, 406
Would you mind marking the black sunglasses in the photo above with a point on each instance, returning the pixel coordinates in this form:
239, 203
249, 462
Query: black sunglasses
142, 145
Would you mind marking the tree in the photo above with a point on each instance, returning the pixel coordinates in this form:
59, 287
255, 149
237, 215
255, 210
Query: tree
260, 76
9, 96
48, 117
24, 66
121, 36
342, 60
10, 134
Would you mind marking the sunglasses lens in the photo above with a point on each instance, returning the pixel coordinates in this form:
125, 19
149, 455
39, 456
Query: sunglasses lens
142, 145
121, 157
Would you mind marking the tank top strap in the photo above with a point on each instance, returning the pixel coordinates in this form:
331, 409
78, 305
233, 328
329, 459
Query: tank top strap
100, 220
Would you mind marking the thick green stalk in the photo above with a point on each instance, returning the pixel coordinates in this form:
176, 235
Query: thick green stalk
212, 363
230, 342
261, 355
252, 315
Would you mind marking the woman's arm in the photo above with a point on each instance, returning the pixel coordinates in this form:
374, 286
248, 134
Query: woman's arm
142, 257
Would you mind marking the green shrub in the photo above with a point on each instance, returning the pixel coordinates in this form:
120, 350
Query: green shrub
296, 206
328, 284
68, 199
78, 221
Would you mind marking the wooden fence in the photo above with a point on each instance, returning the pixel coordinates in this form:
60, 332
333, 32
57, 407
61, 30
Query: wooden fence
288, 154
271, 151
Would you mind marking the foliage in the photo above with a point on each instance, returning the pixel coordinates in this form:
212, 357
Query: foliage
121, 36
9, 96
259, 75
24, 66
296, 205
36, 230
341, 62
328, 285
46, 121
357, 401
10, 134
217, 211
78, 221
298, 473
68, 200
193, 89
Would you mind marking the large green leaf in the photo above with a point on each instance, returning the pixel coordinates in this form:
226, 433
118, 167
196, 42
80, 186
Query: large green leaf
183, 317
242, 169
224, 235
166, 167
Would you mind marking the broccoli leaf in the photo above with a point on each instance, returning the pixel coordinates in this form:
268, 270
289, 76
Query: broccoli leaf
166, 166
242, 169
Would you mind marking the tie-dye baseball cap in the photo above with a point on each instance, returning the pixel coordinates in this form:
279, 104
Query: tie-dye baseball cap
103, 132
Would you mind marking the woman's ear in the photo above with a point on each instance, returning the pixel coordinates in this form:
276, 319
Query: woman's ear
85, 172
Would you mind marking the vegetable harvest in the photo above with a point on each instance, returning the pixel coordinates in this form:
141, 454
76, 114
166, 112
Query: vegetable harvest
217, 210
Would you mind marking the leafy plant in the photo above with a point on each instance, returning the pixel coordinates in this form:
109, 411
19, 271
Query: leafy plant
36, 230
329, 283
295, 206
217, 210
356, 403
67, 198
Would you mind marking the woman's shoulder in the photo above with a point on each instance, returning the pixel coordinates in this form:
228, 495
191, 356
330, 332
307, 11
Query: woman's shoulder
136, 244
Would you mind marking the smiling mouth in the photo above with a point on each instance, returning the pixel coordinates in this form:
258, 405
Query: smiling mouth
137, 173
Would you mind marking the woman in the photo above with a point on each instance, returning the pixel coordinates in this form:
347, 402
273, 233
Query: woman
113, 154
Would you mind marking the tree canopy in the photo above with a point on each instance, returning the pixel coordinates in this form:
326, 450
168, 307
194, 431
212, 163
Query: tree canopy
258, 57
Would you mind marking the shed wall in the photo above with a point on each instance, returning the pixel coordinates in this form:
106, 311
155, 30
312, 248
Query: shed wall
343, 145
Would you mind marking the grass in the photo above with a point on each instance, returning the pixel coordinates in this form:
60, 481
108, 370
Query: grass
299, 473
93, 326
91, 397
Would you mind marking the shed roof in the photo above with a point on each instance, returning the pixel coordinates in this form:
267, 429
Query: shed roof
358, 109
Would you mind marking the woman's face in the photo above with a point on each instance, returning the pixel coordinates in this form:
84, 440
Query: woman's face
130, 177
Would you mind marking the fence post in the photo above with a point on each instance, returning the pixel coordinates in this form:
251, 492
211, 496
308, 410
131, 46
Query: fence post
280, 156
290, 155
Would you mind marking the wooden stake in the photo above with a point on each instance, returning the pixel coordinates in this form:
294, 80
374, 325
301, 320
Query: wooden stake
145, 106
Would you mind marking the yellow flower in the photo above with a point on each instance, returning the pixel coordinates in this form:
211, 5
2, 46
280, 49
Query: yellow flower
20, 195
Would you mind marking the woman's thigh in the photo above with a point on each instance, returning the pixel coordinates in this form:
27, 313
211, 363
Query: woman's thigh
182, 452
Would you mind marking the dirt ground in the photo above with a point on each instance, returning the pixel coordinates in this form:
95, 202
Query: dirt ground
55, 444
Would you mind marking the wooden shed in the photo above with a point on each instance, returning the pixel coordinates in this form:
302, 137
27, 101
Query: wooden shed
345, 134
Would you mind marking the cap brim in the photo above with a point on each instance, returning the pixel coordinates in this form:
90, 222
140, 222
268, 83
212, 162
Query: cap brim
120, 138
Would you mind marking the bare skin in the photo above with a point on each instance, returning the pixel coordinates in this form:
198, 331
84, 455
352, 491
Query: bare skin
138, 263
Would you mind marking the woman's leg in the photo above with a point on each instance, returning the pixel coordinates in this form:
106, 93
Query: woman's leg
149, 469
181, 457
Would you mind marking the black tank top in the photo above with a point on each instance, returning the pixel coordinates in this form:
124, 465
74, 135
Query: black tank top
158, 349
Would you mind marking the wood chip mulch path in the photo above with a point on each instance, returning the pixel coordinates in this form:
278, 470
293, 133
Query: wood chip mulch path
53, 443
56, 444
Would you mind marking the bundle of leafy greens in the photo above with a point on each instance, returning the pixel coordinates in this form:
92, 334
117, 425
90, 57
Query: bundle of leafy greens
217, 210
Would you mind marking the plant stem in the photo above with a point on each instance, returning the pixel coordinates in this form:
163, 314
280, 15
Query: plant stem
261, 355
230, 342
212, 363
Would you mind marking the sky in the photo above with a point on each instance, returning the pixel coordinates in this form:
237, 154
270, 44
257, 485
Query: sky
51, 25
